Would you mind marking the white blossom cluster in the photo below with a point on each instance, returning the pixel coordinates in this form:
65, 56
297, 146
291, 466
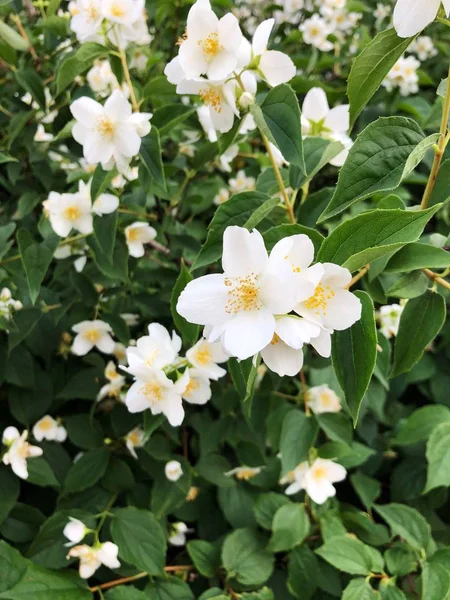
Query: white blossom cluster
271, 304
403, 76
8, 306
218, 64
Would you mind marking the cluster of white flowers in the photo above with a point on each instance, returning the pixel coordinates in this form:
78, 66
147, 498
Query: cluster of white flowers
116, 381
334, 19
111, 133
8, 306
316, 479
423, 48
91, 557
381, 13
333, 124
239, 183
158, 385
173, 470
322, 399
102, 80
119, 22
76, 211
389, 319
18, 451
92, 334
50, 429
403, 76
248, 307
218, 64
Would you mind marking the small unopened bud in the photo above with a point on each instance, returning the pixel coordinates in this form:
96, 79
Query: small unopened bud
246, 100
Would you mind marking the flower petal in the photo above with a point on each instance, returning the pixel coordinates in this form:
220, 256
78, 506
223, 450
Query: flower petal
411, 16
203, 301
247, 333
261, 36
243, 252
315, 105
276, 67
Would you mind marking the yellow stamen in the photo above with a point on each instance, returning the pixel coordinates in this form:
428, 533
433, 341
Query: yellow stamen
72, 213
212, 98
243, 294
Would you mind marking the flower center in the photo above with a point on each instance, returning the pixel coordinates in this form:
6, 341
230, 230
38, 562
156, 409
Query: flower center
212, 98
117, 10
153, 391
314, 31
191, 387
243, 294
203, 356
45, 425
72, 213
319, 473
210, 45
246, 474
133, 437
91, 11
319, 301
275, 340
112, 373
93, 335
133, 235
151, 357
105, 127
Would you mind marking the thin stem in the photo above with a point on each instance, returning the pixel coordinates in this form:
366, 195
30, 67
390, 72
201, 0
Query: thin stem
23, 33
105, 513
358, 276
305, 392
74, 238
5, 111
440, 148
110, 584
287, 203
123, 59
436, 278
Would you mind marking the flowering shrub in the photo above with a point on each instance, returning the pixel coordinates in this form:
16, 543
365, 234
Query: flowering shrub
224, 354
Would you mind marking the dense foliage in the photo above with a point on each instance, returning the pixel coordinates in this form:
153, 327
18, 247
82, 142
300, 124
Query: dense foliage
301, 448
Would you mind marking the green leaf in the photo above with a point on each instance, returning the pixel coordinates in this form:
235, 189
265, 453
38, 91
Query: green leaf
125, 592
371, 67
421, 424
169, 589
40, 473
117, 269
359, 589
236, 211
12, 38
275, 234
5, 232
189, 332
382, 156
36, 259
88, 469
435, 581
10, 486
418, 256
30, 81
105, 230
245, 558
406, 522
100, 181
351, 556
438, 456
303, 573
298, 433
25, 321
151, 155
140, 538
360, 240
266, 506
261, 213
354, 353
336, 426
12, 567
367, 488
84, 431
281, 114
213, 467
77, 63
421, 321
290, 527
318, 153
168, 117
205, 556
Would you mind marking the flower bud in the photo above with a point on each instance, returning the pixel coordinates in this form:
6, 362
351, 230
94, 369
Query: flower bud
173, 470
246, 100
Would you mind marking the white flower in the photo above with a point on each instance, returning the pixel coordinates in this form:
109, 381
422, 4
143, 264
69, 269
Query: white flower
229, 155
244, 473
389, 317
274, 66
240, 305
74, 531
91, 558
177, 535
119, 352
115, 385
332, 305
123, 12
218, 96
317, 480
41, 135
404, 76
136, 235
19, 451
411, 17
423, 47
284, 354
211, 44
127, 22
92, 334
156, 350
155, 391
315, 32
241, 183
173, 470
322, 399
110, 134
131, 319
205, 356
135, 439
139, 61
67, 212
86, 19
101, 79
7, 304
198, 387
49, 429
381, 12
333, 124
222, 196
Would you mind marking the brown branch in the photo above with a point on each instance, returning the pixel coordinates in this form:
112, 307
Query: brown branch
24, 34
436, 278
110, 584
358, 276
